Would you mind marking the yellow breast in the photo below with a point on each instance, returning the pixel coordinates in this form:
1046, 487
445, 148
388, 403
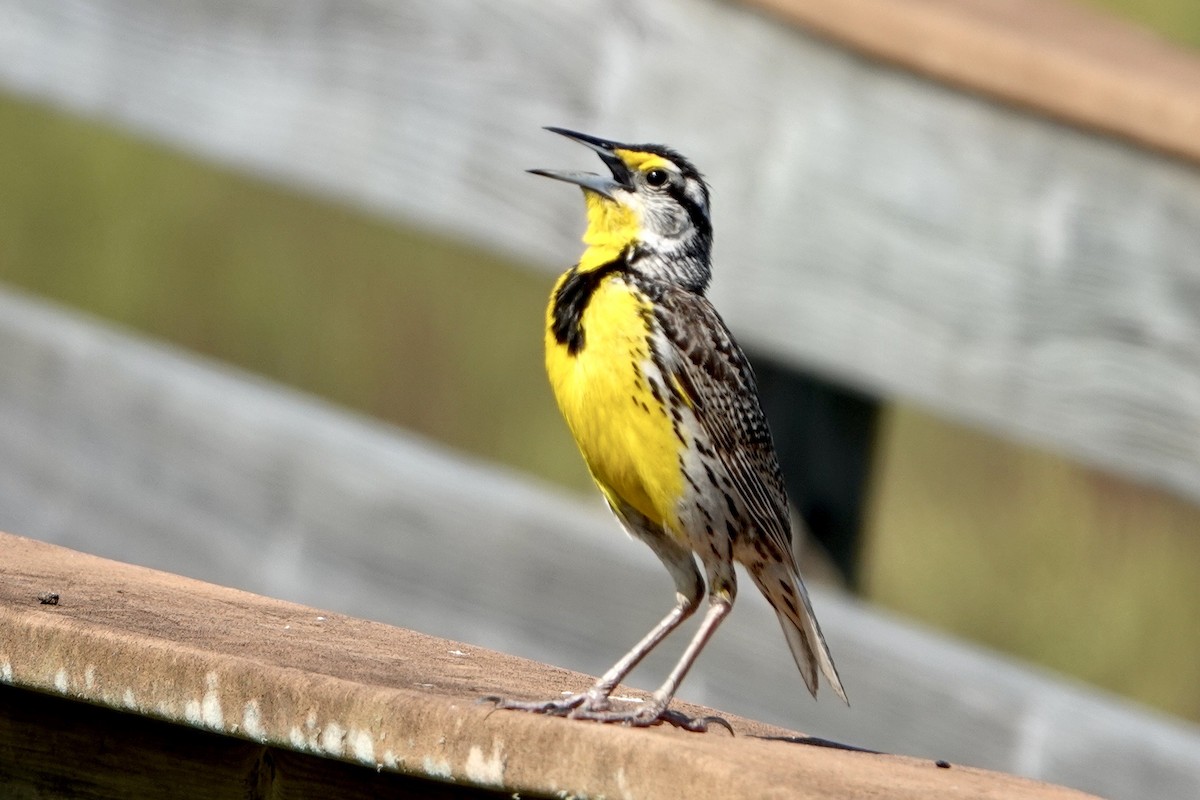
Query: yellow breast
604, 390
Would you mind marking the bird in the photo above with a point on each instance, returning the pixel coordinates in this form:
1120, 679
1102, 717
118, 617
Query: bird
664, 407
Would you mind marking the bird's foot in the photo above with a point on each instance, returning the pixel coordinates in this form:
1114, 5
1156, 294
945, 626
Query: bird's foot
562, 707
649, 715
597, 708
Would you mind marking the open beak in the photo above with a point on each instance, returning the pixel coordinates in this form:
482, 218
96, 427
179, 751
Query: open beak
621, 178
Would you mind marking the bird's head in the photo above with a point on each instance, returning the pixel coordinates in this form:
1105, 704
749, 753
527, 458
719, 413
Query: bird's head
652, 211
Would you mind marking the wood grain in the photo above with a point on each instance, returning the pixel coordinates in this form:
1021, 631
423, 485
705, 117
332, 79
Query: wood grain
298, 679
1060, 59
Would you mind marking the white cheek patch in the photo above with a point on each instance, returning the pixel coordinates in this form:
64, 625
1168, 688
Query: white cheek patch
631, 200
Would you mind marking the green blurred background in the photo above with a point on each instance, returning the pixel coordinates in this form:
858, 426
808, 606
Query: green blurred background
996, 542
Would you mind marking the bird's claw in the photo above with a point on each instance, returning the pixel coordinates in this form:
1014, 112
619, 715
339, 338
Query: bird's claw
555, 708
697, 724
597, 709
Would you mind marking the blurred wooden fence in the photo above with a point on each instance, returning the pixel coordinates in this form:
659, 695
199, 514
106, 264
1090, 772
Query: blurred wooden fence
133, 451
910, 238
904, 236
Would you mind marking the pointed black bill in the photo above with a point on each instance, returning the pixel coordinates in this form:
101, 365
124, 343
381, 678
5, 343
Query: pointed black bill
621, 177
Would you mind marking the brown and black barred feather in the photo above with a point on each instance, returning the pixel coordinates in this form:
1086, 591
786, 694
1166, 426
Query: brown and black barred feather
723, 394
719, 383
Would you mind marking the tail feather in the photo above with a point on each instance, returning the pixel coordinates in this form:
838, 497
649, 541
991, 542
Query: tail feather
800, 627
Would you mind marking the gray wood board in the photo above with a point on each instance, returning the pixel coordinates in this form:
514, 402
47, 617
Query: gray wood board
908, 238
139, 452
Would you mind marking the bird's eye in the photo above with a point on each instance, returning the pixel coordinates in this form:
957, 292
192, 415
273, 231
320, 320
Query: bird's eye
657, 177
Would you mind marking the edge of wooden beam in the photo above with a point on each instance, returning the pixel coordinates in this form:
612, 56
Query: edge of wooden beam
281, 674
1068, 62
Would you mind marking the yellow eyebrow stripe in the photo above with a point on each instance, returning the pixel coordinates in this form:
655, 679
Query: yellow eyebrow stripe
643, 161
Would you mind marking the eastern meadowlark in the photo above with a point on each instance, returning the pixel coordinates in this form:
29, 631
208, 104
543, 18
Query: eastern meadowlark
664, 407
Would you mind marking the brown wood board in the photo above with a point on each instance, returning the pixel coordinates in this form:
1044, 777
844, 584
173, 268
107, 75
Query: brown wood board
1061, 59
284, 675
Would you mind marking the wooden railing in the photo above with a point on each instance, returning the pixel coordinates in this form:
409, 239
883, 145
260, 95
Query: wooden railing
282, 683
893, 233
1058, 59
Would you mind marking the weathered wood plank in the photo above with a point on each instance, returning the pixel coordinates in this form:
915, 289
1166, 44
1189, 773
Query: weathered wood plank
293, 678
903, 236
136, 452
1064, 60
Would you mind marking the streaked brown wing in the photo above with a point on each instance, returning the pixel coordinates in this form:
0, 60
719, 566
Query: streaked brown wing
719, 384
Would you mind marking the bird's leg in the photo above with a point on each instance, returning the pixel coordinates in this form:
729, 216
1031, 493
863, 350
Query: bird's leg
596, 698
689, 587
656, 710
722, 589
